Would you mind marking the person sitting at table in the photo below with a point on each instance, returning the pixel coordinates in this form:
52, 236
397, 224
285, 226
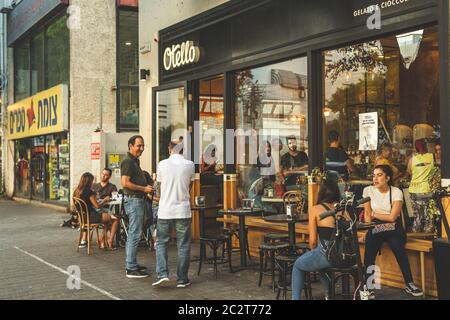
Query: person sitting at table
208, 174
385, 208
85, 193
336, 158
385, 158
320, 232
292, 162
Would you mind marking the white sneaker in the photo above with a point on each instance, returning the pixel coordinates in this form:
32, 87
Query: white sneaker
160, 282
83, 244
413, 290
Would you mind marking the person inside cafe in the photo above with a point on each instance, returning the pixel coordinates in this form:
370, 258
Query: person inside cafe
384, 209
85, 193
336, 158
320, 232
293, 161
437, 153
385, 158
265, 162
208, 172
420, 167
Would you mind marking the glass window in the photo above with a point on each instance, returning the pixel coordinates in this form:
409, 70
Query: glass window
57, 167
271, 120
128, 61
171, 122
397, 78
22, 71
37, 64
212, 120
57, 53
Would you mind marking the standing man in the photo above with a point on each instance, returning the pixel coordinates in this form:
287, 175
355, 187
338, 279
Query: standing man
135, 189
336, 158
175, 175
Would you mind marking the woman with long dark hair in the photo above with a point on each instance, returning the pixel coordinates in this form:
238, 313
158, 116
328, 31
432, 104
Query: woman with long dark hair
385, 208
85, 193
320, 232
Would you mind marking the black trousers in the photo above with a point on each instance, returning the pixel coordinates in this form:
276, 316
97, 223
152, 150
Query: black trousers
396, 240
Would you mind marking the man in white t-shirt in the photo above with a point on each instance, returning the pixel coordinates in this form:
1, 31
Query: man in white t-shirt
175, 175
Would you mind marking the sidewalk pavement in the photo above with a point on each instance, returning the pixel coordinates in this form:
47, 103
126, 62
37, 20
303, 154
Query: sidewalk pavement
35, 253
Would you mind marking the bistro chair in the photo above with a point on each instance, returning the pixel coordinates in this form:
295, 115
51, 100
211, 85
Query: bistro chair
296, 198
344, 274
85, 225
215, 241
284, 264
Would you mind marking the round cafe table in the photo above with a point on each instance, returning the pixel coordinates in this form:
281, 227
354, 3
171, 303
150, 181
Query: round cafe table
242, 213
291, 221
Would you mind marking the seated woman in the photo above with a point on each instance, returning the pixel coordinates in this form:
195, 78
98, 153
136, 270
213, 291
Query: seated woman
85, 193
320, 232
208, 170
385, 208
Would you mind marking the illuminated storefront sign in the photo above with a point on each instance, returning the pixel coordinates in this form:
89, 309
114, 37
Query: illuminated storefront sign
44, 113
180, 55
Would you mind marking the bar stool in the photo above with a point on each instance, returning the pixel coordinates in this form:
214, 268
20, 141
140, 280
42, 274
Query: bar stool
267, 252
285, 263
344, 274
215, 242
273, 237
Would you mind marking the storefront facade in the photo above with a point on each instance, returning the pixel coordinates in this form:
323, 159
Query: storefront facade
304, 69
90, 49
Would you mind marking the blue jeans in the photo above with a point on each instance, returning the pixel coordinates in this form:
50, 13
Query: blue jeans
314, 260
183, 233
134, 208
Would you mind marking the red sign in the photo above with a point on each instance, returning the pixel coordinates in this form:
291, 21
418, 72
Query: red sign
128, 3
95, 151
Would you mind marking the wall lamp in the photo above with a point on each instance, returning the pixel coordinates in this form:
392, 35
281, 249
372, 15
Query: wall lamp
145, 73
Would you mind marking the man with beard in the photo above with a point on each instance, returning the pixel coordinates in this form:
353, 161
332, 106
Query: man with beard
293, 160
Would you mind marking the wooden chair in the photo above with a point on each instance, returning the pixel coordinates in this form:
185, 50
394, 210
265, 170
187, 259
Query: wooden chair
82, 211
296, 198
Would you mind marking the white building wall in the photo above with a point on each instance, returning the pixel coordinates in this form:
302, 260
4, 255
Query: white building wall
155, 15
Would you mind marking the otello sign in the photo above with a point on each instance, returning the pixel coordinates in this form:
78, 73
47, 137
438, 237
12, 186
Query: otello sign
179, 55
44, 113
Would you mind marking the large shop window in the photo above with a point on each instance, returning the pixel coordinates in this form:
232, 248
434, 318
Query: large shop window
42, 61
57, 56
397, 79
42, 168
171, 121
128, 66
22, 71
272, 132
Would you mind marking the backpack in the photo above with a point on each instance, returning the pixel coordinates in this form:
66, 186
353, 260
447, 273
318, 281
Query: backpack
340, 251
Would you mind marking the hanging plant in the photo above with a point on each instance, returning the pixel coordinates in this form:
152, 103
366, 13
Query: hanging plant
366, 56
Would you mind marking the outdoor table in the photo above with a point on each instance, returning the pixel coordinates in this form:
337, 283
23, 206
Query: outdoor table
201, 212
291, 221
241, 213
276, 202
115, 206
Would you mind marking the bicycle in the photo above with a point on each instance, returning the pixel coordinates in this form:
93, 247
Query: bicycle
349, 207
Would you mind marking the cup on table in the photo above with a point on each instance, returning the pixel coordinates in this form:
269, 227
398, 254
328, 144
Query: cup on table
200, 201
289, 210
248, 203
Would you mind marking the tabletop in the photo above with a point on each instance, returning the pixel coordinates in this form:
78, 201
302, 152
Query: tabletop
274, 199
284, 218
363, 182
196, 208
241, 211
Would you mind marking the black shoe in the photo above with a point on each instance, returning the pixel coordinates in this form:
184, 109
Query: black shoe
413, 290
135, 274
183, 284
142, 268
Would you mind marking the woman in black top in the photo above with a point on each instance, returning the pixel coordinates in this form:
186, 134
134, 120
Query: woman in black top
320, 232
85, 193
